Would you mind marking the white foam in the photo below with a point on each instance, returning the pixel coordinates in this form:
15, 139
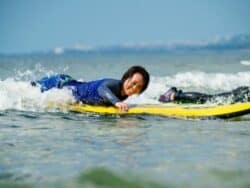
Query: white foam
245, 62
193, 81
208, 81
21, 95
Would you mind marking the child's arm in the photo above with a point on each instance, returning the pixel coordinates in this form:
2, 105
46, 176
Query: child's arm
111, 95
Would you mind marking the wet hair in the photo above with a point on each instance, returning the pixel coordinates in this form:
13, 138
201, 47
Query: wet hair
137, 69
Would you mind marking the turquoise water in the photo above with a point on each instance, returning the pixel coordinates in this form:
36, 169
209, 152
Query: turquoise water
45, 147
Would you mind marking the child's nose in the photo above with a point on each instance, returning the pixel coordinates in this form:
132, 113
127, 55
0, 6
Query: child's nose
136, 89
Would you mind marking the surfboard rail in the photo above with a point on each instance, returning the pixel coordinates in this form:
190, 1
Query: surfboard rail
174, 110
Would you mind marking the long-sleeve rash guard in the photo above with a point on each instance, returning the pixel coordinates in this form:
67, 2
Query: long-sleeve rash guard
99, 92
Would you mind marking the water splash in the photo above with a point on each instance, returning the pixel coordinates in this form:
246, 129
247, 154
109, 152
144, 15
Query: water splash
17, 93
193, 81
20, 95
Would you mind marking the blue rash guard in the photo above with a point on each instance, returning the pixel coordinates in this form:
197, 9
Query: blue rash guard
99, 92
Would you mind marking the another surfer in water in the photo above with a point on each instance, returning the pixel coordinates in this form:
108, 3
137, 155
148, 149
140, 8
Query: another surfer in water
240, 94
101, 92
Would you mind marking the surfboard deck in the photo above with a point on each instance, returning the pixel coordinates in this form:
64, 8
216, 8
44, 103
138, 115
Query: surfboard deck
170, 110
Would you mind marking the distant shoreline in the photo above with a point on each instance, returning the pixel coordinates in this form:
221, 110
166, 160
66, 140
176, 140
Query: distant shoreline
236, 42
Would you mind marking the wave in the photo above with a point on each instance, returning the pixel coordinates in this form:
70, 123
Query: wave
245, 62
193, 81
20, 95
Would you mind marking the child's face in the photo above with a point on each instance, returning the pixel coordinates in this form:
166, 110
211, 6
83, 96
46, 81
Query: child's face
133, 85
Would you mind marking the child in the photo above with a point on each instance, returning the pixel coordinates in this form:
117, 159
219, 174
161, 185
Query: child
240, 94
101, 92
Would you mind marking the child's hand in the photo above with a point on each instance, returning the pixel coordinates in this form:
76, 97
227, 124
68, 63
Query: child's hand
121, 106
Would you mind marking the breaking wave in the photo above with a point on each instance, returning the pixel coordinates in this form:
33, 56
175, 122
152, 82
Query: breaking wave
20, 95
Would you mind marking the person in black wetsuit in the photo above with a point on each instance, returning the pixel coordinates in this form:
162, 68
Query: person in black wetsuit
100, 92
240, 94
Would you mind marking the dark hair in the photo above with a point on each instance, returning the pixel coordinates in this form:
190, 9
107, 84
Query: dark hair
137, 69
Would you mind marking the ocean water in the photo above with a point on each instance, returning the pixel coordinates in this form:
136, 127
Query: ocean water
40, 146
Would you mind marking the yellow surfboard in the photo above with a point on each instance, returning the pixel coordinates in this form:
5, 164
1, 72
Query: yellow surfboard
171, 110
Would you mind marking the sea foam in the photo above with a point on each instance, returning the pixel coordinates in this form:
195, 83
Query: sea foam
193, 81
245, 62
20, 95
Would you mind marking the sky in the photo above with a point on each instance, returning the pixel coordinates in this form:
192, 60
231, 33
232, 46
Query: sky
40, 25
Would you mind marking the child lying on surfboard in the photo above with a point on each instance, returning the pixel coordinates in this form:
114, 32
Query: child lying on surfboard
240, 94
101, 92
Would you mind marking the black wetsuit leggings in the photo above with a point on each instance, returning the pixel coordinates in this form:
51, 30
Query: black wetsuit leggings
240, 94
